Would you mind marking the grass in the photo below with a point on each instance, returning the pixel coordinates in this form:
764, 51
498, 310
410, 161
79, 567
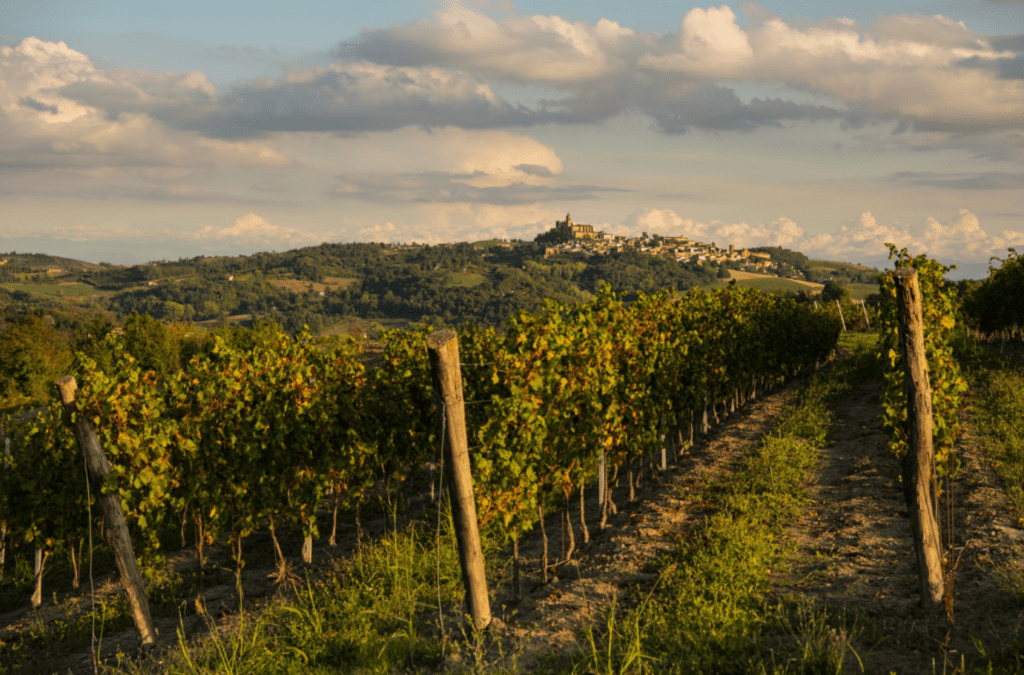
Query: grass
997, 409
862, 291
56, 290
394, 606
708, 612
465, 279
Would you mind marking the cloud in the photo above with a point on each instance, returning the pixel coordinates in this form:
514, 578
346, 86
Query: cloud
455, 188
453, 165
959, 238
358, 97
534, 49
254, 230
48, 116
988, 180
930, 71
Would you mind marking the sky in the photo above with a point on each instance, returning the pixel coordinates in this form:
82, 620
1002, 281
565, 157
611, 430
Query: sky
133, 131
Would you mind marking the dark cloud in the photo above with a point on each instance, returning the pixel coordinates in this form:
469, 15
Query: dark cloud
30, 102
346, 98
1007, 68
989, 180
446, 188
712, 108
534, 170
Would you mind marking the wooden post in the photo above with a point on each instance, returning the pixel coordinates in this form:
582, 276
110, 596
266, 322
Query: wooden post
841, 315
664, 449
115, 527
919, 463
3, 529
602, 479
443, 347
40, 561
866, 319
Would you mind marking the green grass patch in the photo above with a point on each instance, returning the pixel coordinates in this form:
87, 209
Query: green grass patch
997, 409
55, 290
862, 291
391, 607
708, 611
465, 279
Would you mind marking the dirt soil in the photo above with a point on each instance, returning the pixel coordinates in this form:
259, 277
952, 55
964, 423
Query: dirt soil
852, 554
855, 556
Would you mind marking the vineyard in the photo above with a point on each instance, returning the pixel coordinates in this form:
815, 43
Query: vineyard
276, 434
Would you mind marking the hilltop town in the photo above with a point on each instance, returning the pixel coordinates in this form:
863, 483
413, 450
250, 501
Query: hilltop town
587, 242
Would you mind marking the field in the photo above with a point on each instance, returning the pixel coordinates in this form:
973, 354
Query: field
780, 538
770, 284
465, 279
300, 286
70, 290
862, 291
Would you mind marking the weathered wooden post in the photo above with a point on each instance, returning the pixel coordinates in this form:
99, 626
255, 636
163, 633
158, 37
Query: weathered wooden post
3, 528
39, 561
866, 319
115, 527
919, 463
446, 373
841, 315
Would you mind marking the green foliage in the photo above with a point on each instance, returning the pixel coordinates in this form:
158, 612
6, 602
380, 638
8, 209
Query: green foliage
998, 302
259, 425
833, 291
151, 344
371, 615
561, 233
941, 316
32, 355
998, 414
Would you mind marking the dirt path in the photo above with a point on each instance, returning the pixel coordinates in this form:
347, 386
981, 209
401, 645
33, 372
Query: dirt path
855, 557
621, 559
852, 554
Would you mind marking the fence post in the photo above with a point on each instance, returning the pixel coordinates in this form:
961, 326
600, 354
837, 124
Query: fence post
446, 373
866, 319
116, 528
919, 463
841, 315
3, 528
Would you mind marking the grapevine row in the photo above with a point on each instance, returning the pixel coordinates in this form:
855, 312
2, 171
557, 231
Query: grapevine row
261, 435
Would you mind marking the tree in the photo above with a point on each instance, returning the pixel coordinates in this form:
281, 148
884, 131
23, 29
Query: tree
998, 302
723, 271
151, 343
835, 291
561, 233
32, 355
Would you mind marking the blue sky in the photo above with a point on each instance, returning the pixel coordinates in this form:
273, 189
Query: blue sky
131, 132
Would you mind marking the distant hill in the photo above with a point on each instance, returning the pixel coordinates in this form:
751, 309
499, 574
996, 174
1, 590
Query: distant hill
42, 261
352, 287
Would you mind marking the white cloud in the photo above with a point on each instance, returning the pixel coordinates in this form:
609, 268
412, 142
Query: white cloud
525, 49
254, 230
43, 117
931, 71
959, 238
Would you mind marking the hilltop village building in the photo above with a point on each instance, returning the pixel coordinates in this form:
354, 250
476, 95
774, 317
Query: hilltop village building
588, 242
